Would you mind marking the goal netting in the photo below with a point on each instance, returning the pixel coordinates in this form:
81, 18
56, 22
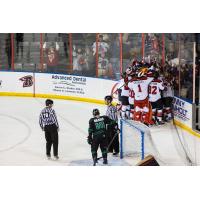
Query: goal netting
136, 140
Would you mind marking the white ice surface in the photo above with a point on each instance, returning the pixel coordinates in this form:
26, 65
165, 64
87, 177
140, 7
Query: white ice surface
23, 143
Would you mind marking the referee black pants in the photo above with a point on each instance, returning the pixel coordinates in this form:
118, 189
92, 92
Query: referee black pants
51, 135
113, 139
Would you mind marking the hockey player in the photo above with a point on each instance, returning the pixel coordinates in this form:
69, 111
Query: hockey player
98, 135
168, 94
120, 85
125, 109
113, 131
131, 76
139, 86
131, 103
155, 88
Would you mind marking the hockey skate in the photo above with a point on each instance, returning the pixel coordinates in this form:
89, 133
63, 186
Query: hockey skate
151, 123
168, 119
95, 161
48, 157
116, 154
160, 122
105, 161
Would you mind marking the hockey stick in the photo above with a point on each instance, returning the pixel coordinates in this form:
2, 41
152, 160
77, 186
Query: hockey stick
109, 144
120, 87
117, 89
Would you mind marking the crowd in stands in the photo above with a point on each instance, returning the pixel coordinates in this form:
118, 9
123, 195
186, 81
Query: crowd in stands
93, 56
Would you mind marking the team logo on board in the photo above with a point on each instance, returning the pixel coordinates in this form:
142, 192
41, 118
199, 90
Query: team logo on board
27, 81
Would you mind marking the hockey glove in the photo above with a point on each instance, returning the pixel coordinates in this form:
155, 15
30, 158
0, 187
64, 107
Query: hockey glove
117, 128
89, 140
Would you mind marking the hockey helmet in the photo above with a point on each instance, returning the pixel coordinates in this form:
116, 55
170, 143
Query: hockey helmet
123, 75
156, 75
48, 102
142, 71
128, 71
95, 112
108, 98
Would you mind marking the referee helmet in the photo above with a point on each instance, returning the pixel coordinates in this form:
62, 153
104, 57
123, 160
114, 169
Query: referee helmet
48, 102
108, 98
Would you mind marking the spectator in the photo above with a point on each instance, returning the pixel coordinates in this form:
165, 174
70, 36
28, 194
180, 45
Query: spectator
91, 62
102, 46
19, 39
115, 58
103, 66
79, 62
126, 46
65, 42
8, 49
52, 56
102, 52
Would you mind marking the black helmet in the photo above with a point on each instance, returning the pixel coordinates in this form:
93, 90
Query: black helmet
123, 75
156, 75
48, 102
95, 112
108, 98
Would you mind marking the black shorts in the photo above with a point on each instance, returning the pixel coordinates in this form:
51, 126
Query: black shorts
167, 101
157, 104
131, 106
124, 101
119, 95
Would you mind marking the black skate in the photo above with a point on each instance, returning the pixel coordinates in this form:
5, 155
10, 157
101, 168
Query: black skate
105, 161
95, 161
48, 157
169, 119
116, 154
160, 122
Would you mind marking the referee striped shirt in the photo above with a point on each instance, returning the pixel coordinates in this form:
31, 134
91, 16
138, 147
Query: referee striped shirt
48, 117
112, 112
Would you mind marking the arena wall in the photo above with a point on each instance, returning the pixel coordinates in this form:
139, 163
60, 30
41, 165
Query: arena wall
59, 86
77, 88
80, 88
183, 115
183, 119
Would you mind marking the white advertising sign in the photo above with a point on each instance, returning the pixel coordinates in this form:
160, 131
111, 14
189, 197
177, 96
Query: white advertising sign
75, 86
182, 111
69, 85
16, 82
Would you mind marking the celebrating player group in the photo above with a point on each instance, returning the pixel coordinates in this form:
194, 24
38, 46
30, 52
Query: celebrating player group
144, 94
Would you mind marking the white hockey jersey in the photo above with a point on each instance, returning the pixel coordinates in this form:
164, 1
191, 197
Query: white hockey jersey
120, 83
123, 87
155, 88
169, 91
131, 97
140, 87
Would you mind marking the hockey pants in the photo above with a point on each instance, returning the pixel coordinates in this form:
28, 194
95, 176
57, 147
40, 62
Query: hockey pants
96, 142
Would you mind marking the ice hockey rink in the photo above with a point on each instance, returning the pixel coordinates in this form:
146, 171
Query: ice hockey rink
23, 143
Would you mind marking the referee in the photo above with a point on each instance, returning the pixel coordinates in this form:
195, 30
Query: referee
49, 124
113, 138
